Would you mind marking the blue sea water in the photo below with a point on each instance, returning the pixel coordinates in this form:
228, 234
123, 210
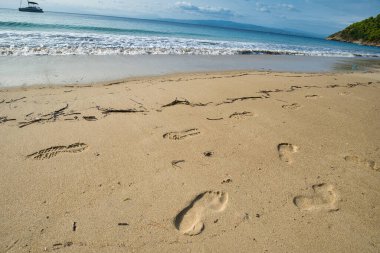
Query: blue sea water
76, 34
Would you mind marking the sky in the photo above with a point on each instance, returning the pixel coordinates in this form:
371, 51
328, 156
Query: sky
313, 16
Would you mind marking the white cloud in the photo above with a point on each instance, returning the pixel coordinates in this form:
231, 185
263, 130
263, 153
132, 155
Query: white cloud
207, 10
289, 7
261, 7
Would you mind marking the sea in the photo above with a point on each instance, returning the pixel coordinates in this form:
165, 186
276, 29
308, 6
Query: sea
50, 33
64, 48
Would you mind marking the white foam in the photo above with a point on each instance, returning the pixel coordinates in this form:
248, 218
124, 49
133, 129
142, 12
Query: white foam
25, 43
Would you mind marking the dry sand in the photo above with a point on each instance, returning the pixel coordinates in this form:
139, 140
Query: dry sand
211, 162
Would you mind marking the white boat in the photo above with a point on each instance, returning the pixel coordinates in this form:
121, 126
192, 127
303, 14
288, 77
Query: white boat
32, 7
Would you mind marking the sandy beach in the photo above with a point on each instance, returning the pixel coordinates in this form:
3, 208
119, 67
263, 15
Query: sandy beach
206, 162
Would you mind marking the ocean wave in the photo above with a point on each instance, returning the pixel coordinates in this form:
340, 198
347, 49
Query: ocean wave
23, 43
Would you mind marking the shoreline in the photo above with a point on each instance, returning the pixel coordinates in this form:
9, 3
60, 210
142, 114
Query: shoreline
85, 70
188, 75
152, 78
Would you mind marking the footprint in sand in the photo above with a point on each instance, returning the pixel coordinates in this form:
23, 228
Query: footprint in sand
181, 134
53, 151
325, 197
241, 115
362, 161
190, 221
311, 96
293, 106
344, 93
285, 151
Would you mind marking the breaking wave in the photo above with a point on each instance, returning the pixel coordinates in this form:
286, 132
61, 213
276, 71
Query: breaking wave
24, 43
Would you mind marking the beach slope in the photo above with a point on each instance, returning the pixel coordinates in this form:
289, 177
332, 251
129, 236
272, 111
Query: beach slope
210, 162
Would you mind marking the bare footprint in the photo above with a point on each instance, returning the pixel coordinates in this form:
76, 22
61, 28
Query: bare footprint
181, 134
190, 221
362, 161
285, 151
324, 197
53, 151
293, 106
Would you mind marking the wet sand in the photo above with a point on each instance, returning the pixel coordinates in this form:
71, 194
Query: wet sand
90, 69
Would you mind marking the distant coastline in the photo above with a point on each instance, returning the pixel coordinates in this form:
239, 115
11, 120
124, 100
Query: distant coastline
359, 42
366, 32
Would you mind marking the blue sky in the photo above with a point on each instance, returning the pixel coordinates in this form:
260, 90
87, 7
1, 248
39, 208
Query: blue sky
314, 16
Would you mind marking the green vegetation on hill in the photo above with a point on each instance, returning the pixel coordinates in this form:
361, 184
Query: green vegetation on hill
365, 32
